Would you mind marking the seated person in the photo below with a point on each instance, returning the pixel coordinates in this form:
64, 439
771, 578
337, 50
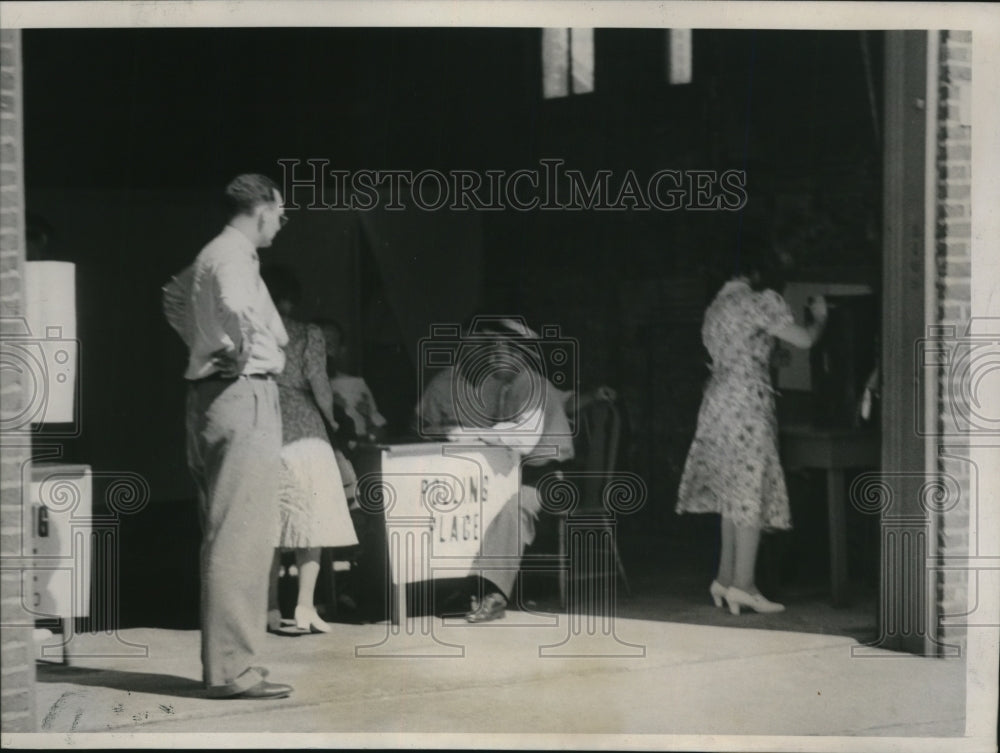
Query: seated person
502, 405
351, 393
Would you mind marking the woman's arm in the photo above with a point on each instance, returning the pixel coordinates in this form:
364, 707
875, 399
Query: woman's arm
805, 336
510, 434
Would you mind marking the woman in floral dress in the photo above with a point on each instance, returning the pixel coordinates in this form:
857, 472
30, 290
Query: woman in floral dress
732, 468
313, 505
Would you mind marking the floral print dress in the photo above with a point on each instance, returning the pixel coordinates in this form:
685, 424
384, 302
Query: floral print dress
311, 491
732, 467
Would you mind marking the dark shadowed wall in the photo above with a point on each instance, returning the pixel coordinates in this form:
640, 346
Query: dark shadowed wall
125, 148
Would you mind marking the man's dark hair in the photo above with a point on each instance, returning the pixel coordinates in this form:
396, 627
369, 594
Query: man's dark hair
282, 284
246, 192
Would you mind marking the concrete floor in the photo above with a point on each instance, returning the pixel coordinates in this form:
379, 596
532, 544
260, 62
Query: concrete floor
669, 666
647, 677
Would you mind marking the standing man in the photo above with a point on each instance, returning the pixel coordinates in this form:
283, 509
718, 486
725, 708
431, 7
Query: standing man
235, 336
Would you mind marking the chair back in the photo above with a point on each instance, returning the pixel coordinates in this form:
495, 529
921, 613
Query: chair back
597, 452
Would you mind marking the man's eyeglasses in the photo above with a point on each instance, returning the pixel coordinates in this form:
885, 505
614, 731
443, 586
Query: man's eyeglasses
283, 220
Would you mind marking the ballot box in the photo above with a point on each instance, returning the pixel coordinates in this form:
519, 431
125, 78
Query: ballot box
436, 501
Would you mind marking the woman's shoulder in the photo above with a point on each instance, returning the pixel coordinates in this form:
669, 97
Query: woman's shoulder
293, 325
740, 289
730, 294
298, 329
299, 335
735, 284
736, 288
770, 298
315, 332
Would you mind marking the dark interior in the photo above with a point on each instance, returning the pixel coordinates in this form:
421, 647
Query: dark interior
125, 151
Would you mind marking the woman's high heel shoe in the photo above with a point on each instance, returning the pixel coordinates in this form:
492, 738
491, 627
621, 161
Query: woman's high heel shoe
718, 592
307, 619
737, 597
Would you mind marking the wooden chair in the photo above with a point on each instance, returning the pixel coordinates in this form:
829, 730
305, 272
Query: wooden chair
596, 448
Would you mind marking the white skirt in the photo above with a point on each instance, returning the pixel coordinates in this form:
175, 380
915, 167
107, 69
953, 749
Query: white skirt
311, 497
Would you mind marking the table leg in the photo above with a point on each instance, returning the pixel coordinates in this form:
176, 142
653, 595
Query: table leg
836, 499
397, 579
399, 604
66, 626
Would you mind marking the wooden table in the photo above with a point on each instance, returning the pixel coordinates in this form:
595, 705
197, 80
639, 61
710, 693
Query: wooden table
834, 451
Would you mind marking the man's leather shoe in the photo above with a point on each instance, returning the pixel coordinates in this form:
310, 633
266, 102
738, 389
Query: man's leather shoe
264, 691
492, 607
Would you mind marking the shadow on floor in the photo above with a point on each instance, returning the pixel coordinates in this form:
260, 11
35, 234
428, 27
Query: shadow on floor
133, 682
669, 565
668, 577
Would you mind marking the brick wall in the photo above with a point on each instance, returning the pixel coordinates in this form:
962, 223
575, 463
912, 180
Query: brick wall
953, 283
17, 671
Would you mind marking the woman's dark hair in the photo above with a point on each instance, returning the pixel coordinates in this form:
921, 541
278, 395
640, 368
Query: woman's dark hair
246, 192
758, 261
325, 322
282, 284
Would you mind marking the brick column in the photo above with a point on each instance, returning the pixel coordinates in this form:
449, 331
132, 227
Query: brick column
954, 309
17, 671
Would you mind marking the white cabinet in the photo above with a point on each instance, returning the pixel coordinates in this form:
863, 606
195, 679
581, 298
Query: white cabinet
60, 501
